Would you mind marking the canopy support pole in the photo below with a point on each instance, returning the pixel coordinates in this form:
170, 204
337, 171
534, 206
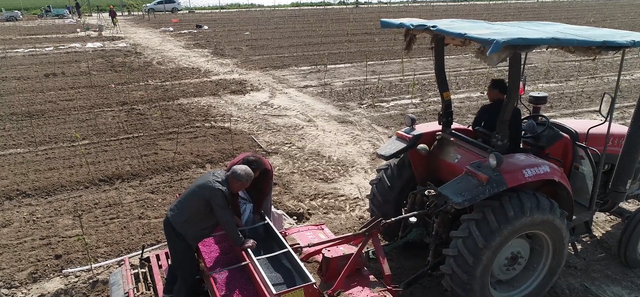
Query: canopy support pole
626, 164
445, 117
500, 139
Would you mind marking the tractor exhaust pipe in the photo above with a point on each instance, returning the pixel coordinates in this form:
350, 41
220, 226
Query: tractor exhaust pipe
627, 161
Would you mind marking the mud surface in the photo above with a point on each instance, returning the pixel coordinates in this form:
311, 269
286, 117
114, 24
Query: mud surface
95, 142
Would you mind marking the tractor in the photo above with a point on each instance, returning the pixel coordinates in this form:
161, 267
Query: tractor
498, 222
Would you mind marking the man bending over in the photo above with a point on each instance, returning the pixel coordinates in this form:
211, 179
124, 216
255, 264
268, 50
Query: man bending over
259, 192
194, 216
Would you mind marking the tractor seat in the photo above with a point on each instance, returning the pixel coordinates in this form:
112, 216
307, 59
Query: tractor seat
573, 135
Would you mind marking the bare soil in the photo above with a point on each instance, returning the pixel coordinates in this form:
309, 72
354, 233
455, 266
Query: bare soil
104, 137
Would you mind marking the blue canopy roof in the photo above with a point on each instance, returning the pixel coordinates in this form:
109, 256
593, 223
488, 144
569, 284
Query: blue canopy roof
497, 35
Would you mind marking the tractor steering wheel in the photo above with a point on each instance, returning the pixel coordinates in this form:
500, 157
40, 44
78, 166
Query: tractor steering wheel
527, 127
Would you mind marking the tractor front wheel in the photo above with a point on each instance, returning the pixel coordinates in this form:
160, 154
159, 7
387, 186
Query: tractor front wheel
629, 241
389, 190
511, 245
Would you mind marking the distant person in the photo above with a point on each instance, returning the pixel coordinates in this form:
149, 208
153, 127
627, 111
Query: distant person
78, 9
69, 9
113, 15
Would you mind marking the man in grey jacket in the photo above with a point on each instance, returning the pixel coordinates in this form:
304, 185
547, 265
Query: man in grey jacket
194, 216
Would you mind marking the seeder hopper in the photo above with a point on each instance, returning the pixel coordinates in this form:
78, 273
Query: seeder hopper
275, 267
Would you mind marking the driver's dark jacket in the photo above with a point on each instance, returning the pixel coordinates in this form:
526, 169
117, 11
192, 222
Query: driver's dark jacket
487, 118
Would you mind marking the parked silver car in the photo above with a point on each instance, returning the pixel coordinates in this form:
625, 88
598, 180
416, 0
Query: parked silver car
163, 5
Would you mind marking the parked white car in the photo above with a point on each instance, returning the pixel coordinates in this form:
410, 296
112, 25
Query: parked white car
11, 16
163, 5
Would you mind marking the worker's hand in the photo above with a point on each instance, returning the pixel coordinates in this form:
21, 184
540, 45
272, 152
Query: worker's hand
249, 244
177, 196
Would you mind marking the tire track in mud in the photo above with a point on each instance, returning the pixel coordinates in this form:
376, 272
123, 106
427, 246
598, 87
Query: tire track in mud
319, 157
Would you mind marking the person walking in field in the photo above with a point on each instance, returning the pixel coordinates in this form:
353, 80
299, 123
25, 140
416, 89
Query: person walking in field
113, 15
78, 9
194, 216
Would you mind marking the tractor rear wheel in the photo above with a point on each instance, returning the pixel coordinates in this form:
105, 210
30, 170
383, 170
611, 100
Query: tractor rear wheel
629, 241
514, 244
389, 190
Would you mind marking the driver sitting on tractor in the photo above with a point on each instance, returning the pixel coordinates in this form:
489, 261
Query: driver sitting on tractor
487, 116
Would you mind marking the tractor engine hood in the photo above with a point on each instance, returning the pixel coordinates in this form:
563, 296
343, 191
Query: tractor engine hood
598, 134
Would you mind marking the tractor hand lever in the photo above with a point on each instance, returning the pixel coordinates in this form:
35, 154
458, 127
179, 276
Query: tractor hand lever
402, 217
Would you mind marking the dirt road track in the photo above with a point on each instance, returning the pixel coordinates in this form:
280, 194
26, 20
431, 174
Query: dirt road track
303, 130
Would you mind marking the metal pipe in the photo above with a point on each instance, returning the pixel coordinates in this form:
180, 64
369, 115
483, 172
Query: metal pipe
272, 254
240, 229
615, 195
445, 118
228, 268
411, 214
110, 261
501, 141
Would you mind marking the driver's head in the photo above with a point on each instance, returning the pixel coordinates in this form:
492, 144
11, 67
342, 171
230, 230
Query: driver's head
497, 89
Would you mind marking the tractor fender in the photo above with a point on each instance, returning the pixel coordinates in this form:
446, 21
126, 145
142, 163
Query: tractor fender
407, 139
479, 181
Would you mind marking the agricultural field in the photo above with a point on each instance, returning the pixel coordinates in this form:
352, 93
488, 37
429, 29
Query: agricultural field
97, 139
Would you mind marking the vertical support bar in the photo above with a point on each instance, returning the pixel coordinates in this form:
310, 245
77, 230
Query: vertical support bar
382, 258
164, 263
129, 284
445, 118
156, 271
523, 80
626, 164
351, 265
500, 141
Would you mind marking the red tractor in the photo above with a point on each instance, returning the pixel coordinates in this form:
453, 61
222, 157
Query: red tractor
499, 223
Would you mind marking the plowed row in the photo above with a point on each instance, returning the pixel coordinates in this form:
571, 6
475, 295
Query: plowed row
77, 129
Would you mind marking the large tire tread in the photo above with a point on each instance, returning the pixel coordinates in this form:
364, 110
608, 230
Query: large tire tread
483, 229
391, 186
394, 181
629, 240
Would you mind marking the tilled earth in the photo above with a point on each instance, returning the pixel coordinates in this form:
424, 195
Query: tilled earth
95, 141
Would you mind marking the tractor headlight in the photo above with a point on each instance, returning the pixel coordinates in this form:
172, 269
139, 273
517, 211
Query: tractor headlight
410, 120
495, 160
423, 149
